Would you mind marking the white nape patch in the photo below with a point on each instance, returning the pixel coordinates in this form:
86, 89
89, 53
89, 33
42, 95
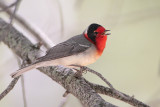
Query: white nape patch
85, 31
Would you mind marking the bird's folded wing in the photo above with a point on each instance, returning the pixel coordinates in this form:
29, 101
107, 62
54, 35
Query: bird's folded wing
64, 49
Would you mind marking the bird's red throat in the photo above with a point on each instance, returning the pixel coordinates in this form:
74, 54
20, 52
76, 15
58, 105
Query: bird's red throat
100, 44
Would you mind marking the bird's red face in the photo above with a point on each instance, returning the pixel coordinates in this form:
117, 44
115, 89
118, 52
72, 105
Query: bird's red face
98, 36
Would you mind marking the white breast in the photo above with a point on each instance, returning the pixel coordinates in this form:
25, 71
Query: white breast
83, 59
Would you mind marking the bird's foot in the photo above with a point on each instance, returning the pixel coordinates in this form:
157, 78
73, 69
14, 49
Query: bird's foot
80, 71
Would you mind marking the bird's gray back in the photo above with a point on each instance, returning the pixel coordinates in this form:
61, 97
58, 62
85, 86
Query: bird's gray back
72, 46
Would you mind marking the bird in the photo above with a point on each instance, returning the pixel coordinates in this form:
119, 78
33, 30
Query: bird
83, 49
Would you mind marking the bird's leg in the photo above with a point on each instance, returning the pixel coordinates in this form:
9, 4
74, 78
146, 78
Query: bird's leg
84, 69
79, 71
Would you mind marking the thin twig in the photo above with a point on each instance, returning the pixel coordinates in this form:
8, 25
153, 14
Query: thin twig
100, 75
94, 72
11, 5
14, 12
61, 17
30, 28
23, 91
9, 88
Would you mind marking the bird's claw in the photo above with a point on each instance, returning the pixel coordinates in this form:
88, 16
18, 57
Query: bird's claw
80, 72
83, 69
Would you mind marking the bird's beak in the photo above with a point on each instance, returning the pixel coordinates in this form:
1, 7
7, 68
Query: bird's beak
107, 33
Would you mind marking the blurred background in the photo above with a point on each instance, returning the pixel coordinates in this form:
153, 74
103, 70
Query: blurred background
131, 60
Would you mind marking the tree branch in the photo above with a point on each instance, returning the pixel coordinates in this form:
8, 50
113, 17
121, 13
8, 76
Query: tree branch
126, 98
64, 76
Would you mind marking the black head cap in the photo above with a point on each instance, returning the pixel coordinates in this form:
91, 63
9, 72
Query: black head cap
92, 28
90, 31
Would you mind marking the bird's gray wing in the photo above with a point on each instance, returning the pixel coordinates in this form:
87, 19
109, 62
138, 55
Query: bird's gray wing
70, 47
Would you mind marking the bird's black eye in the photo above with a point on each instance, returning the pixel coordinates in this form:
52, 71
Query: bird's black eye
96, 33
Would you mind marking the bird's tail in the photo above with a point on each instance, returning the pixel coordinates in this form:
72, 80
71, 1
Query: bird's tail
21, 71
